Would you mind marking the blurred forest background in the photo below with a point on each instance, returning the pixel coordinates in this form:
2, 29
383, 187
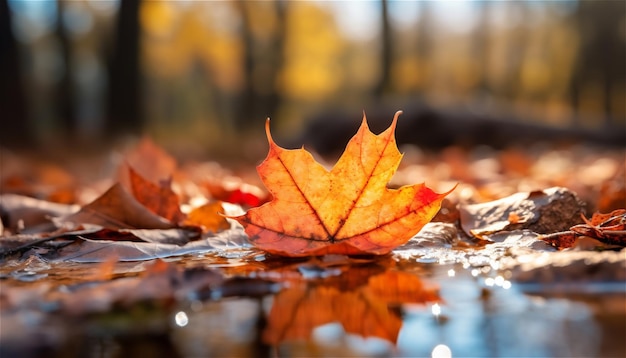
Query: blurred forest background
202, 76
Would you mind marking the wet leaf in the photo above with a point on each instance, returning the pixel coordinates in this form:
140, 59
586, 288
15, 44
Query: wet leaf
19, 243
551, 210
347, 210
29, 215
208, 217
160, 199
177, 236
88, 250
117, 209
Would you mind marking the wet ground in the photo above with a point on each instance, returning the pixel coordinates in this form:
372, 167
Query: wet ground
422, 301
94, 292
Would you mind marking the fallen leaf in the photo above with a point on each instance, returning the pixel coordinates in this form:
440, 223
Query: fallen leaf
608, 229
208, 217
561, 239
19, 243
88, 250
160, 199
615, 217
117, 209
234, 190
40, 180
29, 215
348, 210
150, 160
176, 236
547, 211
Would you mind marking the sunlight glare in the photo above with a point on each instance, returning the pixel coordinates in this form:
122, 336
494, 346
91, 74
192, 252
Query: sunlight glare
441, 351
436, 309
181, 319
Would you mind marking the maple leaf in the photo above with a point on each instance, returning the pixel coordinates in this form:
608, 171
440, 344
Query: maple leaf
348, 210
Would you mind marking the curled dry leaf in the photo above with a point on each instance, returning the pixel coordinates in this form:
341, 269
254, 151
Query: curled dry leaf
28, 215
159, 199
607, 228
348, 210
117, 209
550, 210
150, 160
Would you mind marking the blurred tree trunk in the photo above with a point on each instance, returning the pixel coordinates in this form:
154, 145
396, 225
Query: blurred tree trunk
276, 59
386, 55
481, 48
125, 113
262, 62
424, 43
14, 127
518, 44
245, 110
601, 55
65, 91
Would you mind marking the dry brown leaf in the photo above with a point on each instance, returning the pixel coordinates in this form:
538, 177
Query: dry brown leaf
160, 199
117, 209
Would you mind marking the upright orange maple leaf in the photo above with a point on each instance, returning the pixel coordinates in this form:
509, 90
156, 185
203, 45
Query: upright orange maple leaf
348, 210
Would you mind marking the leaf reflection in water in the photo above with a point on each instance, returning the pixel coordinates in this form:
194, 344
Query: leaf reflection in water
366, 310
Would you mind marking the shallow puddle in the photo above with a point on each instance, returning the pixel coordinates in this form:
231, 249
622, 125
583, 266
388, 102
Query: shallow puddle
393, 307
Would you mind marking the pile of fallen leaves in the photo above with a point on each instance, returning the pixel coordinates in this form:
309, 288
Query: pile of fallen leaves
224, 234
